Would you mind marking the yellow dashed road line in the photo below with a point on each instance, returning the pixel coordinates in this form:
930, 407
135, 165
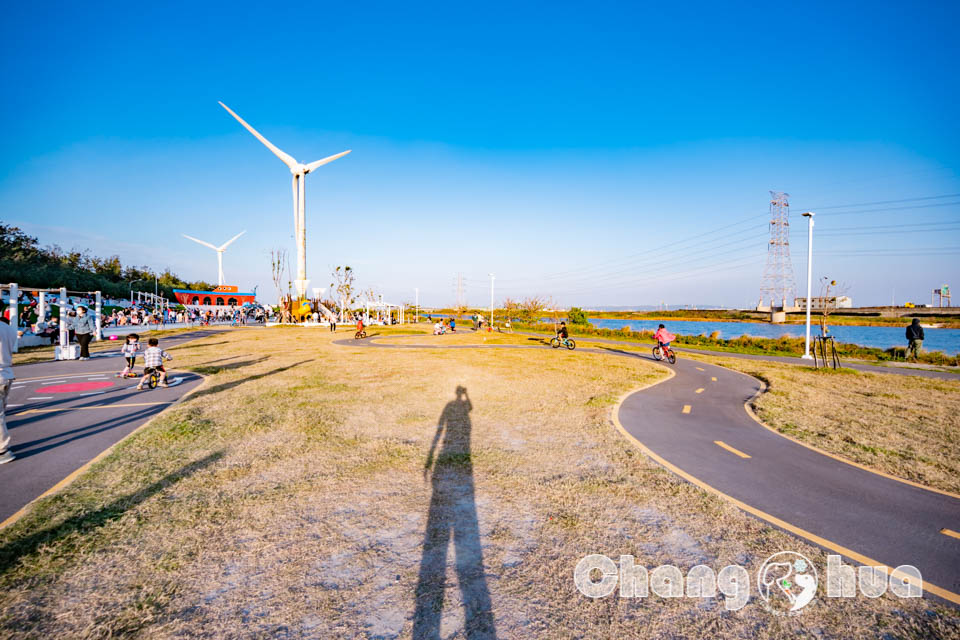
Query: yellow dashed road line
700, 390
686, 409
950, 532
724, 445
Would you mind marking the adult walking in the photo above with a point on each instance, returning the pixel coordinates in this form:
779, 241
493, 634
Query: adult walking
84, 330
914, 339
8, 340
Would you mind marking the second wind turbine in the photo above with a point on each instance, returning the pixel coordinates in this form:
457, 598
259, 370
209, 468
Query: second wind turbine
299, 172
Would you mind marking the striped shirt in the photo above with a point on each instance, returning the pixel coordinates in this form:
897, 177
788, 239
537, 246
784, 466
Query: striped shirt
154, 357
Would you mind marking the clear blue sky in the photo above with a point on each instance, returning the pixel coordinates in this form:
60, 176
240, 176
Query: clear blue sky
556, 145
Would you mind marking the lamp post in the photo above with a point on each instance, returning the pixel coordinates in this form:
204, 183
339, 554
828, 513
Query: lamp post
416, 291
133, 282
492, 277
809, 216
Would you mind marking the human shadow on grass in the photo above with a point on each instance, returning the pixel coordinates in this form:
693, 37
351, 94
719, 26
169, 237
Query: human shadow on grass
209, 368
86, 522
452, 514
233, 383
197, 346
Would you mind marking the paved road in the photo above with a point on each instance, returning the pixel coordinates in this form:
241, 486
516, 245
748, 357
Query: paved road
696, 425
63, 414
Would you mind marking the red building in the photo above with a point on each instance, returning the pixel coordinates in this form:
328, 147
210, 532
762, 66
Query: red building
224, 296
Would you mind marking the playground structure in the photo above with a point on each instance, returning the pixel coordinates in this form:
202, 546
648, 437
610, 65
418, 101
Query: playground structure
221, 296
383, 310
944, 293
149, 299
63, 351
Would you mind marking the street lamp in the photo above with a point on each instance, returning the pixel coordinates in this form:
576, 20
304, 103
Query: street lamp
809, 216
131, 287
491, 300
417, 292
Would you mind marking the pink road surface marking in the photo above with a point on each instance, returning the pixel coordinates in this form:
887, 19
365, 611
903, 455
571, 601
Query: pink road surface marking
73, 387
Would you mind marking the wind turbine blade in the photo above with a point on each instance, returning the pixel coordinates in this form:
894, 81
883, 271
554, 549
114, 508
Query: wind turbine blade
206, 244
286, 158
228, 242
320, 163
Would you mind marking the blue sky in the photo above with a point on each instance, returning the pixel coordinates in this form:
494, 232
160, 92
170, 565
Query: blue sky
601, 154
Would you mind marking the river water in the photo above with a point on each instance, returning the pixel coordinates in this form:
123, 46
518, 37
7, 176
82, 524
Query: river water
945, 340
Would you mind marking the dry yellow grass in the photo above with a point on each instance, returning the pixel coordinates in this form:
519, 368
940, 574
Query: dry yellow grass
293, 496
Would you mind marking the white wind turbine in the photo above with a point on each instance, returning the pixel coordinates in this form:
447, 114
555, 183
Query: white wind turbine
299, 172
219, 251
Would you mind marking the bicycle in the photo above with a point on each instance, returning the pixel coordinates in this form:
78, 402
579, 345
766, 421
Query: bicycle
153, 379
359, 335
663, 352
567, 342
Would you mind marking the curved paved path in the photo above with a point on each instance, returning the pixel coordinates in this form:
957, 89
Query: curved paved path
695, 423
63, 414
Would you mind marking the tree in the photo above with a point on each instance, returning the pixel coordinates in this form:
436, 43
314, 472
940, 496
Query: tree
530, 309
577, 316
825, 307
278, 261
343, 285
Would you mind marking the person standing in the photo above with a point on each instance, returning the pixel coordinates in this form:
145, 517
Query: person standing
84, 328
8, 339
914, 339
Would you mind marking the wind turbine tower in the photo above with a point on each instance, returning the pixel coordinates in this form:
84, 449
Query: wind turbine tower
299, 172
219, 251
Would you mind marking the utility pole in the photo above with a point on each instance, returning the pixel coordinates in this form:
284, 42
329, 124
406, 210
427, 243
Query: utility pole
461, 299
809, 216
491, 300
417, 292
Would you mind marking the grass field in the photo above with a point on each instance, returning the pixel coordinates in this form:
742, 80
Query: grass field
306, 491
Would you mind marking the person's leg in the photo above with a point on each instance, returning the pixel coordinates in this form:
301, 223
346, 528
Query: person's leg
911, 350
919, 349
84, 340
4, 434
146, 374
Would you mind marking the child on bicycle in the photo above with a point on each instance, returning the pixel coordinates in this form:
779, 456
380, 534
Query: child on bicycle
129, 352
664, 337
153, 359
562, 333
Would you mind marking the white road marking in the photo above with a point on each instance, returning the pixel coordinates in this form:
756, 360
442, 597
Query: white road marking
14, 405
41, 398
43, 384
93, 393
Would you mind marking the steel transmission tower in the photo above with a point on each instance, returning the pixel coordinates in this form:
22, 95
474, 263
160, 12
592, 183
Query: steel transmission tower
459, 288
778, 284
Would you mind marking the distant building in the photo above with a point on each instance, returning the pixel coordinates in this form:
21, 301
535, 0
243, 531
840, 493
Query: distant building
222, 296
820, 303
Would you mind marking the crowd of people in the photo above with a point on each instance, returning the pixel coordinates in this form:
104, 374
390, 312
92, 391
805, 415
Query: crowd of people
80, 321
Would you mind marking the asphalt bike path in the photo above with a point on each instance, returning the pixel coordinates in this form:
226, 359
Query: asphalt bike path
696, 424
62, 414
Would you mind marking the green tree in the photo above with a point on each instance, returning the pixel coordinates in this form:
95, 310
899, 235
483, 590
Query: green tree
577, 316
